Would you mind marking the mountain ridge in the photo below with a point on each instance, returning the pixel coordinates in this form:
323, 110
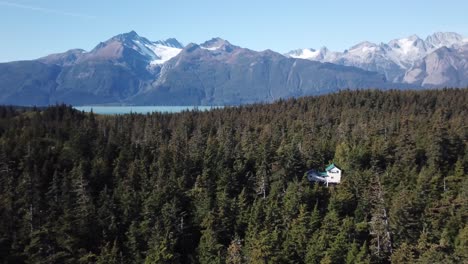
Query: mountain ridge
131, 69
394, 59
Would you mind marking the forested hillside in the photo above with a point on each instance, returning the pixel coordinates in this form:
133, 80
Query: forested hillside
229, 185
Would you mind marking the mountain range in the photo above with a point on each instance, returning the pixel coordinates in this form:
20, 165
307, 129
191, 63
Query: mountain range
437, 61
129, 69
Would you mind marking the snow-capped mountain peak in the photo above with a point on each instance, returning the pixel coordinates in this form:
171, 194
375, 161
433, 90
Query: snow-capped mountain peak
304, 54
127, 36
165, 50
156, 52
411, 46
310, 54
130, 39
440, 39
392, 59
364, 47
413, 37
215, 44
134, 41
170, 42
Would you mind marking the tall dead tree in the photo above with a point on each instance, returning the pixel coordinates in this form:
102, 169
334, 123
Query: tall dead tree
381, 243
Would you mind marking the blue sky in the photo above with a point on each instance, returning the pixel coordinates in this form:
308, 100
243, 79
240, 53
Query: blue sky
33, 28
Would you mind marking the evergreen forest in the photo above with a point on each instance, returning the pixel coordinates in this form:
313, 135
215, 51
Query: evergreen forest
229, 185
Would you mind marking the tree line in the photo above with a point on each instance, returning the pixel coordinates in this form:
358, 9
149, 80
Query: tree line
229, 185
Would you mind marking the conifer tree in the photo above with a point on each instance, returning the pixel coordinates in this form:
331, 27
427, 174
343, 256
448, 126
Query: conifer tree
210, 250
234, 252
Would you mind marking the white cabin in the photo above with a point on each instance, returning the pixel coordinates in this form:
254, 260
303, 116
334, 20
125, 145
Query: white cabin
332, 174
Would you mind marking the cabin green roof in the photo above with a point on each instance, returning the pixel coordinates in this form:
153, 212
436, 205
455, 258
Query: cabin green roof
329, 167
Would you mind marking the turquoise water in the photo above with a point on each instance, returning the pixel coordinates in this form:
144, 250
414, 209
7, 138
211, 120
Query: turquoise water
116, 110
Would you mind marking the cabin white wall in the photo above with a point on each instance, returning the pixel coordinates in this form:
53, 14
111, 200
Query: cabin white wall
334, 175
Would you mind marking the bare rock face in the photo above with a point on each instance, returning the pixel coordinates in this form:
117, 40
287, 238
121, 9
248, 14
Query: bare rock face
27, 82
400, 60
445, 67
63, 59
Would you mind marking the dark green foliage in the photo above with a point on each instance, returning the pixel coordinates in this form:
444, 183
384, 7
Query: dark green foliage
228, 186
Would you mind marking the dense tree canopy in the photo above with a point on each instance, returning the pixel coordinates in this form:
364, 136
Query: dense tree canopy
229, 185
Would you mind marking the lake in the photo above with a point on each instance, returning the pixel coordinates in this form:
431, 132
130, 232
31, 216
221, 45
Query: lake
118, 110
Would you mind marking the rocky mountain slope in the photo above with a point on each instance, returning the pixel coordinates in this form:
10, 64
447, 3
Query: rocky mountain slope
445, 67
217, 72
394, 59
130, 69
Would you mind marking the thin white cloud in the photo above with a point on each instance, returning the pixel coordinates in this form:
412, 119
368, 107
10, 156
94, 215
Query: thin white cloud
46, 10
